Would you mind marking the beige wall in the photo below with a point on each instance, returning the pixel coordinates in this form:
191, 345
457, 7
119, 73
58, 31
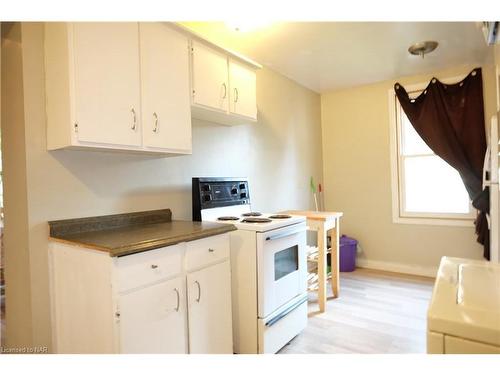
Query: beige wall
278, 154
497, 64
356, 169
16, 238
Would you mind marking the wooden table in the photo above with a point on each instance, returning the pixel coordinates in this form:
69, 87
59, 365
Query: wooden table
322, 222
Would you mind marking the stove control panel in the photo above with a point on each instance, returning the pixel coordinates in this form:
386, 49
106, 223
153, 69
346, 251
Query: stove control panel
212, 192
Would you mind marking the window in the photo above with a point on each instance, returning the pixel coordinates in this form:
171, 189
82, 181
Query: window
425, 189
285, 262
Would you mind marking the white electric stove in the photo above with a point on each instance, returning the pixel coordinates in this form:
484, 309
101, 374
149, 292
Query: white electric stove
268, 265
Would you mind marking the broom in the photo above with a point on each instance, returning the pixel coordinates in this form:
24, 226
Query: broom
313, 190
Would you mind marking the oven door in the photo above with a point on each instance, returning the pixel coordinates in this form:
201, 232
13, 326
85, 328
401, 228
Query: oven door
281, 266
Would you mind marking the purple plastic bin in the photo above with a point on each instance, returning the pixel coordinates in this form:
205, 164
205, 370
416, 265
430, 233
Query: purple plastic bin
348, 247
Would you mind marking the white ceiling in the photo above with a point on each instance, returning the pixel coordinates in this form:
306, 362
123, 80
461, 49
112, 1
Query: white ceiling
329, 55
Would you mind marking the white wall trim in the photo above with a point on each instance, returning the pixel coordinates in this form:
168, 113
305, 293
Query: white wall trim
410, 269
433, 221
393, 143
497, 74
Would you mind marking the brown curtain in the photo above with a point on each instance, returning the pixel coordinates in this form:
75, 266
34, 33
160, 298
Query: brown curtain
450, 119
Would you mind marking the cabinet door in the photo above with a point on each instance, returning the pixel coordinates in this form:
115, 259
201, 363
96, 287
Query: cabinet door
209, 78
107, 82
242, 80
210, 318
166, 107
153, 319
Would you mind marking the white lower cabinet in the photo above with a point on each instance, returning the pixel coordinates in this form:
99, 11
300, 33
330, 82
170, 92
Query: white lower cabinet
210, 317
153, 319
148, 302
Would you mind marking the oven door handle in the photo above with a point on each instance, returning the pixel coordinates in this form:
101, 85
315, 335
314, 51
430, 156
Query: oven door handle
284, 313
286, 234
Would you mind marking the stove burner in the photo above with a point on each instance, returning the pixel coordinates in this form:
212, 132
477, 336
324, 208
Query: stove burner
256, 220
252, 214
226, 218
279, 216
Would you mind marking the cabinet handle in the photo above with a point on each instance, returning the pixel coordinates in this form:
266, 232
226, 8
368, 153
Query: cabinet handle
178, 299
155, 127
199, 291
154, 266
210, 250
134, 125
236, 95
225, 90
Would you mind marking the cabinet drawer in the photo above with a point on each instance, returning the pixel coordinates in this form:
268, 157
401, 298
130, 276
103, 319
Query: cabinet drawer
148, 267
208, 250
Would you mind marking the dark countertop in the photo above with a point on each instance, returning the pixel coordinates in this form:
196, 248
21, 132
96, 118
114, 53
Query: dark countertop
126, 234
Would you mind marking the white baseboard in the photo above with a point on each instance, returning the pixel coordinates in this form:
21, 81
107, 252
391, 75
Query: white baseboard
411, 269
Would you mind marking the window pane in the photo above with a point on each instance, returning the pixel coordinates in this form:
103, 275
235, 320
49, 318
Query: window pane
412, 143
285, 262
432, 185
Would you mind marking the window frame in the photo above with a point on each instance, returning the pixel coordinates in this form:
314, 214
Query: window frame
399, 214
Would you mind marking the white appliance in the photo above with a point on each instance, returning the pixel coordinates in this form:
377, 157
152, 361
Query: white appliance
268, 265
490, 178
464, 313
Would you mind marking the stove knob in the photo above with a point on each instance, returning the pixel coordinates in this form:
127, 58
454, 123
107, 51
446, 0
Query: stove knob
242, 186
205, 187
207, 198
234, 191
243, 195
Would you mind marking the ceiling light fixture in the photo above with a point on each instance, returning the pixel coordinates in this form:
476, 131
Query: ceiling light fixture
422, 48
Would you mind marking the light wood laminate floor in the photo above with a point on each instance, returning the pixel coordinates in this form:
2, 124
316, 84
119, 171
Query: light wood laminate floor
377, 312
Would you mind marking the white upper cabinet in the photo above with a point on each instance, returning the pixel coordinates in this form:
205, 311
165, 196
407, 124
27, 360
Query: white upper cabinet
117, 86
107, 83
223, 87
166, 113
136, 86
242, 81
210, 86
